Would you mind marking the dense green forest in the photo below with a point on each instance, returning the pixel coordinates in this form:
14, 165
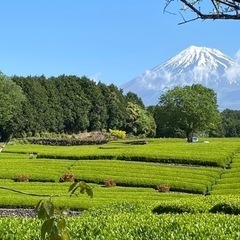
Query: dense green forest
70, 104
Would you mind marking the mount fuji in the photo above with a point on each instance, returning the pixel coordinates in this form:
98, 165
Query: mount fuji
194, 65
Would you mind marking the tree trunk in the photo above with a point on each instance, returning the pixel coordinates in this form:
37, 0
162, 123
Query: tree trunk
189, 136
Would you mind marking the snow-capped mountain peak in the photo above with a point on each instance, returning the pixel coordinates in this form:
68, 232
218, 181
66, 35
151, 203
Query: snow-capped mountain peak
200, 57
206, 66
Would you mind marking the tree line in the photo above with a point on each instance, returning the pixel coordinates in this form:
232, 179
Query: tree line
70, 104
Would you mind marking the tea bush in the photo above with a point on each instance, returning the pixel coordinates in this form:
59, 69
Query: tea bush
130, 221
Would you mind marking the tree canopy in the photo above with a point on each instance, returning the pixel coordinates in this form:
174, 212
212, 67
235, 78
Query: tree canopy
212, 9
190, 109
140, 121
71, 104
231, 123
11, 101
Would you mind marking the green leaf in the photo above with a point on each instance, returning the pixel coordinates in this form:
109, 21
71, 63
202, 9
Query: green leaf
89, 192
74, 190
85, 187
72, 186
41, 211
66, 235
45, 209
47, 227
82, 190
42, 214
38, 205
55, 229
56, 237
49, 208
61, 224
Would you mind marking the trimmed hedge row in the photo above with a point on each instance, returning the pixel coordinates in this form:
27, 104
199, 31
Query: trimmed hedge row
67, 142
229, 181
226, 205
101, 195
179, 178
160, 159
165, 151
127, 221
42, 170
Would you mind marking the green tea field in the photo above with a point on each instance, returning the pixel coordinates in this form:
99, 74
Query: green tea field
165, 182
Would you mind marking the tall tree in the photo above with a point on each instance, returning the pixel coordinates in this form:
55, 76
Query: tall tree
116, 107
231, 122
140, 121
11, 100
190, 108
36, 106
97, 113
54, 121
163, 129
74, 102
211, 9
133, 97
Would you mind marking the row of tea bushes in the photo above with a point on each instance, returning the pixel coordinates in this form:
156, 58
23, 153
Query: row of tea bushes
210, 204
179, 178
165, 151
67, 142
229, 182
12, 166
101, 195
128, 221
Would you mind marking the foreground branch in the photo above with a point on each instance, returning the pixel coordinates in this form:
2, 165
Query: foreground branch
30, 194
221, 10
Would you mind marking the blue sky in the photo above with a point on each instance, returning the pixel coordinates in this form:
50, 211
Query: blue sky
112, 41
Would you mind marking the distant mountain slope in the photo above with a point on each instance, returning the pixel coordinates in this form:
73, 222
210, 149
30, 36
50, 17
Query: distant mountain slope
202, 65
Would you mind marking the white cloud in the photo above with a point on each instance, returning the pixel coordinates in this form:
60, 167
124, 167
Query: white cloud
147, 72
150, 79
233, 73
237, 56
96, 77
167, 76
150, 86
201, 73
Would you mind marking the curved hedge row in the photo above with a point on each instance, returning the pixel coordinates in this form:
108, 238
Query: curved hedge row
209, 204
159, 150
229, 181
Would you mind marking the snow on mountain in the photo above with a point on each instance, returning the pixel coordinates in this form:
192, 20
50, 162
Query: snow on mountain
201, 65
